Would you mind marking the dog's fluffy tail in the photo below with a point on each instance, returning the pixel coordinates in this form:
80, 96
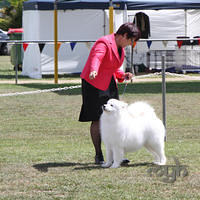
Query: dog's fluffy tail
140, 108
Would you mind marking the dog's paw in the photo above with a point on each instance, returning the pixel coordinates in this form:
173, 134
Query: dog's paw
115, 165
106, 165
159, 163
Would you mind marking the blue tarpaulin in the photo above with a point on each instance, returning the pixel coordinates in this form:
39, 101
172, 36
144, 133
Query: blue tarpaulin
104, 4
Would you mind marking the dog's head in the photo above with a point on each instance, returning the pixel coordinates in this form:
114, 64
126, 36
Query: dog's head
114, 105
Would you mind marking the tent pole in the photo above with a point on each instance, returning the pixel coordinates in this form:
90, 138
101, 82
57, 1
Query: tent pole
111, 17
55, 43
186, 22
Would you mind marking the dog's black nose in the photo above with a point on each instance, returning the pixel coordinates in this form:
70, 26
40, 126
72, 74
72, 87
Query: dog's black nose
103, 107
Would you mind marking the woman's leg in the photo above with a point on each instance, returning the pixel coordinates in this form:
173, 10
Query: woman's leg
96, 139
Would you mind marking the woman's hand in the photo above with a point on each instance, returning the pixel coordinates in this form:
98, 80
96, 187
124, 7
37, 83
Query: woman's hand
92, 75
128, 76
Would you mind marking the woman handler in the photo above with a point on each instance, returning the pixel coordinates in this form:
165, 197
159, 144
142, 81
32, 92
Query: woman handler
99, 78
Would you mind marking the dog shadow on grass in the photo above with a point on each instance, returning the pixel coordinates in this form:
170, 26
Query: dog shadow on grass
44, 167
122, 165
138, 164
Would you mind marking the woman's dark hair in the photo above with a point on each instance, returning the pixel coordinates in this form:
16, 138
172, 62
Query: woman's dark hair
131, 30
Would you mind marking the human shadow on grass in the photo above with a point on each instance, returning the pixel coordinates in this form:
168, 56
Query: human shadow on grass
44, 167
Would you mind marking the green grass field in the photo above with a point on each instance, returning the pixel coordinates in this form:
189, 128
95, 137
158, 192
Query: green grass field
45, 153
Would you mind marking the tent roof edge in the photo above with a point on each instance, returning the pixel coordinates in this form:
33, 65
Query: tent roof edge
117, 4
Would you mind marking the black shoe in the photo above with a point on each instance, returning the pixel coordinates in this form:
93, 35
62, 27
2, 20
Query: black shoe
125, 161
99, 159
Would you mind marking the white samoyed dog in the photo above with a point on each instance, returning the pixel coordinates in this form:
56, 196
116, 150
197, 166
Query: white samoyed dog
127, 128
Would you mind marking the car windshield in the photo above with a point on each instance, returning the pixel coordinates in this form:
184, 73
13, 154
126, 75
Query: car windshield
3, 35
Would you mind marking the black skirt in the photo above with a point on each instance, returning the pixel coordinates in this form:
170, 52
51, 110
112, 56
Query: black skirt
93, 99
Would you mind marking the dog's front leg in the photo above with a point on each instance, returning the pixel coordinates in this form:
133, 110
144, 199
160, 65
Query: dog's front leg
109, 157
118, 155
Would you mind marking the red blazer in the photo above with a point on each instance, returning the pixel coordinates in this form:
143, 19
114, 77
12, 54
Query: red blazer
105, 60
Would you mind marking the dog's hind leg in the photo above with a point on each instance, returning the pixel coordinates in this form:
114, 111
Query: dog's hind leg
109, 157
155, 155
158, 153
162, 156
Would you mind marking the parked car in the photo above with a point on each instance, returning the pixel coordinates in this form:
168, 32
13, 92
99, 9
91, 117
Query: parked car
3, 45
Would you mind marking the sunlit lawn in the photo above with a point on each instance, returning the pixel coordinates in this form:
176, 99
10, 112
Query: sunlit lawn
45, 153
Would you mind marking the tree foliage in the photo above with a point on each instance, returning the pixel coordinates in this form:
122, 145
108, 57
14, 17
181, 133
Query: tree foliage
11, 14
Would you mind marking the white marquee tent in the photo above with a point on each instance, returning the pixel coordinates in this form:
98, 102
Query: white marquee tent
88, 20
